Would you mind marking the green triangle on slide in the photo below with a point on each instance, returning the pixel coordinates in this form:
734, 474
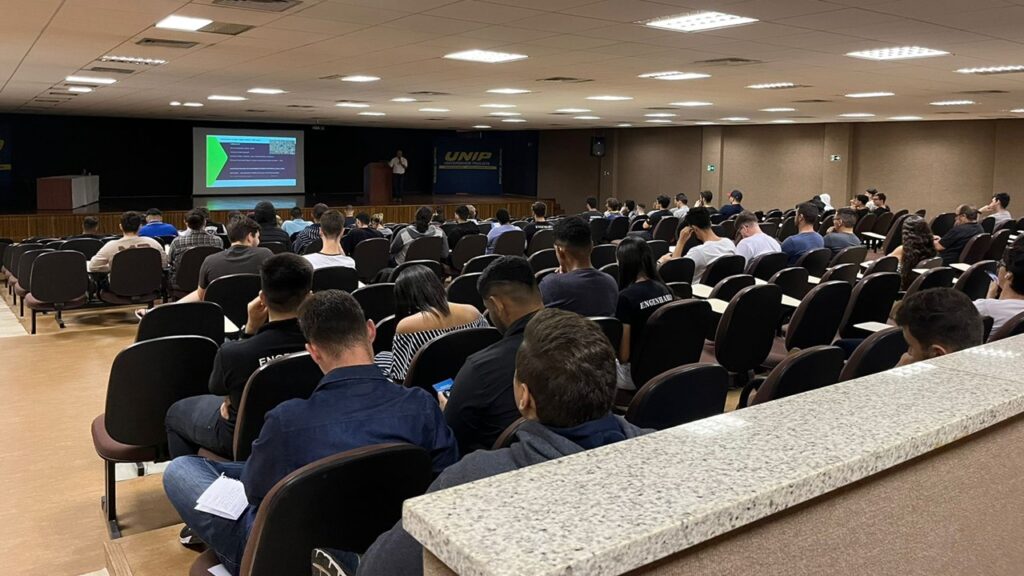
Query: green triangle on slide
216, 159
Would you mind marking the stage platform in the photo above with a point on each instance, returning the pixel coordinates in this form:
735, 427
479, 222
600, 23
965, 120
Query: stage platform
58, 224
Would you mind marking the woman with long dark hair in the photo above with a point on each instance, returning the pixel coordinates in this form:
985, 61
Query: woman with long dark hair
641, 292
423, 313
918, 245
420, 228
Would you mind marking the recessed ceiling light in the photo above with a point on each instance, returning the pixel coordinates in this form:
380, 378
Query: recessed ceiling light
772, 85
870, 94
609, 98
265, 91
79, 89
690, 103
857, 115
506, 114
573, 110
481, 126
697, 21
372, 114
624, 125
736, 119
586, 117
175, 103
352, 105
497, 105
514, 120
193, 104
183, 23
1018, 110
658, 121
896, 53
134, 60
359, 78
783, 121
403, 99
675, 75
778, 110
660, 115
434, 110
953, 103
508, 91
488, 56
992, 70
905, 118
226, 98
90, 80
706, 123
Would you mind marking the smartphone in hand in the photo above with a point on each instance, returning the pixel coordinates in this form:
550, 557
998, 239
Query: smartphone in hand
444, 387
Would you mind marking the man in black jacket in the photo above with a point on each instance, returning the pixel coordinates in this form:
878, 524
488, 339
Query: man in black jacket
564, 387
361, 232
462, 227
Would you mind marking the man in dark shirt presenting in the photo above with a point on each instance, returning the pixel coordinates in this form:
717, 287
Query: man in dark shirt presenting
577, 286
272, 330
481, 404
953, 243
361, 232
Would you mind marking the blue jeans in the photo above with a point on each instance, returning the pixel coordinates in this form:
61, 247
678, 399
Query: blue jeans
194, 423
185, 479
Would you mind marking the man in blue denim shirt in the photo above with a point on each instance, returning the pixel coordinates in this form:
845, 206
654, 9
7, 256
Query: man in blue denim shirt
354, 406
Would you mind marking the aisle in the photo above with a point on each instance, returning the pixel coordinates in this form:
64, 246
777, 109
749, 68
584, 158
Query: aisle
9, 323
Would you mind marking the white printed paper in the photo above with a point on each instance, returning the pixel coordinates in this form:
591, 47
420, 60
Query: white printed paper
224, 498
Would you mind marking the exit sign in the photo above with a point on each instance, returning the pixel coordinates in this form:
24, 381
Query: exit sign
711, 168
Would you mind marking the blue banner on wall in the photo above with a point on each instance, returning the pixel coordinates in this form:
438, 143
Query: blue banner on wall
6, 159
467, 167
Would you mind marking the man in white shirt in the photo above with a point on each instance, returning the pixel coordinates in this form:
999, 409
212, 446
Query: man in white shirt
754, 242
331, 225
698, 223
682, 206
997, 207
1006, 295
398, 166
130, 224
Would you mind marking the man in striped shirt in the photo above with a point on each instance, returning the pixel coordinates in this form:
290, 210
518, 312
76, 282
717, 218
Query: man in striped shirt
312, 232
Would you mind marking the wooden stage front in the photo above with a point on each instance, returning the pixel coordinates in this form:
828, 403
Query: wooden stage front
59, 224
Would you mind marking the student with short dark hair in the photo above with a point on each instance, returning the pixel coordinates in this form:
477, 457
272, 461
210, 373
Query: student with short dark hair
682, 206
613, 208
155, 225
806, 239
879, 200
195, 235
842, 236
266, 216
296, 224
1005, 298
753, 242
420, 228
504, 225
243, 256
353, 406
540, 221
592, 211
361, 232
310, 233
953, 243
936, 322
90, 229
331, 252
859, 204
564, 386
704, 201
698, 224
462, 228
997, 207
735, 205
350, 218
130, 224
577, 286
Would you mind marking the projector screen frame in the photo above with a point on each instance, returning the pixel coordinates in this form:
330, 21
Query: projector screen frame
199, 188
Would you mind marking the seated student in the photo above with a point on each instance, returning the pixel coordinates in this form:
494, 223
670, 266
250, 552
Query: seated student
361, 232
1005, 297
936, 322
918, 246
155, 225
592, 211
540, 221
271, 330
654, 217
244, 256
266, 216
842, 235
878, 199
354, 406
997, 207
612, 208
953, 243
216, 227
463, 227
698, 223
377, 223
90, 229
641, 293
195, 235
682, 206
331, 226
311, 233
565, 388
424, 314
704, 201
504, 225
481, 405
629, 209
350, 216
735, 205
421, 228
859, 204
130, 224
806, 239
753, 242
577, 286
296, 224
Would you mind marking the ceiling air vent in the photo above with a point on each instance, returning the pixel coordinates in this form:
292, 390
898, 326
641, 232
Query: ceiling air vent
48, 100
110, 70
950, 112
225, 28
564, 80
262, 5
811, 101
728, 62
299, 106
983, 92
254, 110
163, 43
429, 93
661, 108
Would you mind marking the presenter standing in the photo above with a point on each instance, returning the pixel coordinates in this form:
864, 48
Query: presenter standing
398, 165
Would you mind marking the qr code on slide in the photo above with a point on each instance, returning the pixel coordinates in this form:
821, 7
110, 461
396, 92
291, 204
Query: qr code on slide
282, 146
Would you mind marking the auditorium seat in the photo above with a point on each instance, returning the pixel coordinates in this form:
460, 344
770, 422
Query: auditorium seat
786, 229
371, 256
617, 229
871, 301
975, 280
884, 264
611, 270
803, 371
976, 249
849, 255
665, 229
136, 277
183, 319
941, 277
469, 247
612, 328
463, 290
510, 243
275, 247
13, 255
747, 329
442, 357
1012, 327
658, 248
673, 336
677, 270
845, 272
24, 284
543, 259
376, 300
542, 240
424, 248
58, 282
729, 286
865, 224
680, 395
815, 261
764, 266
792, 281
722, 267
681, 290
603, 255
434, 265
335, 278
385, 337
478, 263
87, 246
146, 378
942, 223
186, 276
815, 321
878, 352
894, 237
1000, 240
598, 230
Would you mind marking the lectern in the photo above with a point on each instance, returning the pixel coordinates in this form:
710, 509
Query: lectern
377, 183
67, 192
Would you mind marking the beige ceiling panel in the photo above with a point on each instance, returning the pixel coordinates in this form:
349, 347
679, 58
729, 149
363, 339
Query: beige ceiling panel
434, 25
350, 13
772, 10
317, 25
398, 5
475, 11
623, 11
562, 23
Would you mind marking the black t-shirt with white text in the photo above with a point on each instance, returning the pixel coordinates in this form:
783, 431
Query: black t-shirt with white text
636, 304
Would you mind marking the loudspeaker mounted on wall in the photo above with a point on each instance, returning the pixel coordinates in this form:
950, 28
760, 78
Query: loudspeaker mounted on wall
597, 146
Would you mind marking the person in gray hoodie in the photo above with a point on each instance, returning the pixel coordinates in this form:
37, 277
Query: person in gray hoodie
564, 388
420, 228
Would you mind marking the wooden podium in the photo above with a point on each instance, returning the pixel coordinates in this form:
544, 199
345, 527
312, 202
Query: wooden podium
67, 192
377, 183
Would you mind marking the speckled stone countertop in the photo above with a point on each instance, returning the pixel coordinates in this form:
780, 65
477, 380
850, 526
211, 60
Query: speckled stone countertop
616, 508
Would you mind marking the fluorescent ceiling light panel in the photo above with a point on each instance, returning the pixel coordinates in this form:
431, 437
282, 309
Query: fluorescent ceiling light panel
992, 70
505, 114
897, 53
736, 119
783, 121
193, 104
403, 99
359, 78
183, 23
508, 91
372, 114
487, 56
90, 80
573, 110
514, 120
660, 115
783, 109
610, 98
497, 105
690, 103
481, 126
226, 98
698, 21
857, 115
434, 110
270, 91
624, 125
659, 121
1018, 110
905, 118
675, 75
134, 60
586, 117
953, 103
870, 94
706, 123
79, 89
175, 103
772, 85
352, 105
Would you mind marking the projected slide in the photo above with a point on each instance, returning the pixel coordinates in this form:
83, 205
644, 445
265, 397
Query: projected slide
247, 162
